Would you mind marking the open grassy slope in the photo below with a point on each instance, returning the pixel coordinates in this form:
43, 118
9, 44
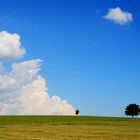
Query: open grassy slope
68, 128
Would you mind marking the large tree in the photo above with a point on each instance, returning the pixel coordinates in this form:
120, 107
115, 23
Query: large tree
132, 110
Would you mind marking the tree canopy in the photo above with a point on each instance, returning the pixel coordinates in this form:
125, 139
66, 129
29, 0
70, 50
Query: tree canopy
132, 110
77, 112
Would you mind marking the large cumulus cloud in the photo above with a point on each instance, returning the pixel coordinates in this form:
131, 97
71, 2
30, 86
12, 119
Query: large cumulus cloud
23, 91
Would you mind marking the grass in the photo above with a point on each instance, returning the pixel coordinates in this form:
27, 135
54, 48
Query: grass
68, 128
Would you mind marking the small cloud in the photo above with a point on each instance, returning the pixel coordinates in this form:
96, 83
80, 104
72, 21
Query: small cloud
10, 46
118, 16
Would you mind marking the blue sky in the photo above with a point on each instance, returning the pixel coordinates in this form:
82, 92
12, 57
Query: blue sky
90, 61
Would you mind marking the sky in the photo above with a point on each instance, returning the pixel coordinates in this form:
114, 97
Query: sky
60, 55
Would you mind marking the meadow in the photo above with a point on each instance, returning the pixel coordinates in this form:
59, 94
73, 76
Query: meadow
68, 128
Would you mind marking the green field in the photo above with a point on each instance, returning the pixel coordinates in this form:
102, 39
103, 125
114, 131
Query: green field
68, 128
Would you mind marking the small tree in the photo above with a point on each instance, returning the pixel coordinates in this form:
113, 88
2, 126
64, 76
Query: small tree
132, 110
77, 112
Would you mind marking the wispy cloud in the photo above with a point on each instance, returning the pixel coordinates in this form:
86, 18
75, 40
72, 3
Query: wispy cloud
1, 67
118, 16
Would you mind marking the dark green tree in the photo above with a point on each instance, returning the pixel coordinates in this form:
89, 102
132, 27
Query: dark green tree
132, 110
77, 112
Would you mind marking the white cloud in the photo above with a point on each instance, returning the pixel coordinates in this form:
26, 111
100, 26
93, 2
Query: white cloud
24, 91
118, 16
10, 46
